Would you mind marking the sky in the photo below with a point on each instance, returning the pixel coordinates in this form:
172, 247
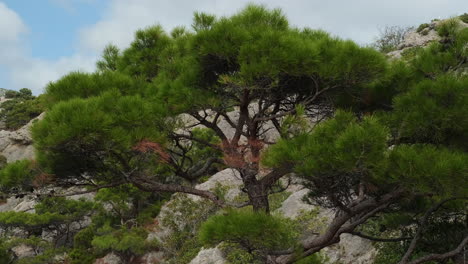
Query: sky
42, 40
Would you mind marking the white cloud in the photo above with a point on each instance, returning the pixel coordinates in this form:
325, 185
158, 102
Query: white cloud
23, 70
11, 25
36, 73
358, 20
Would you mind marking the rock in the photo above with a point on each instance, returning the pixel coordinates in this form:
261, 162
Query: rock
396, 54
16, 152
17, 145
23, 251
294, 205
228, 178
413, 38
24, 204
209, 256
9, 204
175, 208
152, 258
27, 205
350, 250
110, 258
419, 39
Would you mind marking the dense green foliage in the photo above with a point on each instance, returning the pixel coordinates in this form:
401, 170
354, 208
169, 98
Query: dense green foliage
253, 231
19, 174
386, 144
464, 17
422, 27
21, 108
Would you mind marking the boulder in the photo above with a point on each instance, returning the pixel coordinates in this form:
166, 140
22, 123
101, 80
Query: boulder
152, 258
419, 39
23, 251
293, 206
227, 178
110, 258
350, 250
209, 256
23, 204
17, 145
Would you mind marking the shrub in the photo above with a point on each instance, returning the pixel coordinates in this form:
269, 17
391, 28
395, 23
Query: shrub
448, 27
464, 17
125, 241
3, 161
410, 53
11, 94
183, 218
23, 93
19, 111
434, 111
421, 27
17, 174
5, 256
251, 230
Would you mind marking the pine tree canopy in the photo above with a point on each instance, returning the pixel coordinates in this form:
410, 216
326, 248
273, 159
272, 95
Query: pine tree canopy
381, 142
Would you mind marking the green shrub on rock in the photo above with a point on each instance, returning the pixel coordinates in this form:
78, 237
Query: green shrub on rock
255, 232
464, 17
422, 27
448, 27
17, 112
17, 174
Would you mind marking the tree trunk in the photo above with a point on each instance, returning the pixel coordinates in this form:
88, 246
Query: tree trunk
258, 196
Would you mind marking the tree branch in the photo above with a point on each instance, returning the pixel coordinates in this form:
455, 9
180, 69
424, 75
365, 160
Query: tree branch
379, 239
95, 189
150, 186
443, 256
422, 225
191, 137
293, 111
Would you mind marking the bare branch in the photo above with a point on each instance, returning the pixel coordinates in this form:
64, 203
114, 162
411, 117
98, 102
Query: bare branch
379, 239
150, 186
443, 256
201, 141
95, 189
422, 226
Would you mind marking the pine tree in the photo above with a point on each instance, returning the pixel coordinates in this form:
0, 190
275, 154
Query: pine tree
379, 142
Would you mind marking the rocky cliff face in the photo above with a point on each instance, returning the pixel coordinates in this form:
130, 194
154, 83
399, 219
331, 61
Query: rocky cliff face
419, 38
17, 145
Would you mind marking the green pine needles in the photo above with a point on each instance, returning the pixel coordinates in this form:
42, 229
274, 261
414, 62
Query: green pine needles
381, 143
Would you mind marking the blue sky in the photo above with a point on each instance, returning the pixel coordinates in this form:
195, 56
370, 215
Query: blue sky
42, 40
53, 25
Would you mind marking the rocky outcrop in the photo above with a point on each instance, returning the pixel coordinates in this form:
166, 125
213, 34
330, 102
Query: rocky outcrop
228, 178
23, 251
419, 39
19, 204
17, 145
110, 258
350, 250
209, 256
